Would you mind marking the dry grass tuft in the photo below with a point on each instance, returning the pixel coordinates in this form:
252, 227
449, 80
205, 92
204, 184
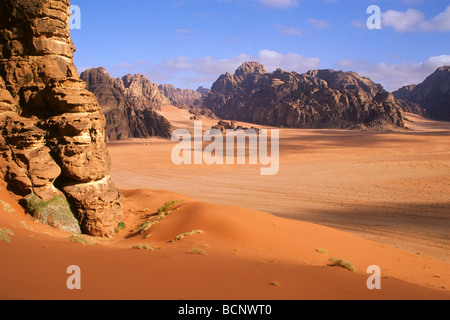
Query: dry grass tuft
334, 262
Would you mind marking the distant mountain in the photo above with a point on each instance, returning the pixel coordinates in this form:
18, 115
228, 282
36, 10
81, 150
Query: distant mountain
431, 97
317, 99
130, 104
181, 96
203, 90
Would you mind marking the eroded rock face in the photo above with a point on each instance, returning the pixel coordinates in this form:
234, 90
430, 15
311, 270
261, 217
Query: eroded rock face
430, 98
181, 96
317, 99
130, 104
53, 130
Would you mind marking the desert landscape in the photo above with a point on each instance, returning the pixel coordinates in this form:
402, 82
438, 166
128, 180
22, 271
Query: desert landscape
87, 180
270, 238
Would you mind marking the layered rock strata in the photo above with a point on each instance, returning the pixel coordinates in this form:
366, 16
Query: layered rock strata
53, 130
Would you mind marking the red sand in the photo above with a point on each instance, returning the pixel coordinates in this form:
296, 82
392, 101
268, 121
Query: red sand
247, 252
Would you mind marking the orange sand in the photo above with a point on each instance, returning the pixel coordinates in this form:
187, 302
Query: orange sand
246, 251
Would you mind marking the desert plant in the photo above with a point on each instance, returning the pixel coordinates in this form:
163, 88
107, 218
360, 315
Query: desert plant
334, 262
55, 212
322, 251
5, 233
168, 205
187, 234
140, 246
198, 252
161, 213
120, 226
78, 238
275, 284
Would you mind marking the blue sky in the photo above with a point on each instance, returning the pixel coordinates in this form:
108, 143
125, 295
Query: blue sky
189, 43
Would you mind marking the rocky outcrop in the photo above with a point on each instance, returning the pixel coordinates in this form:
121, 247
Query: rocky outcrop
53, 130
181, 96
130, 105
317, 99
203, 91
430, 98
348, 81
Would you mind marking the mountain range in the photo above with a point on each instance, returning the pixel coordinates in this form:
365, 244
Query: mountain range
315, 99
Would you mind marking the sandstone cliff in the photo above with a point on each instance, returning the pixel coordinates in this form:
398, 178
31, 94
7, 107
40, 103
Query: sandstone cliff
130, 104
317, 99
52, 128
430, 98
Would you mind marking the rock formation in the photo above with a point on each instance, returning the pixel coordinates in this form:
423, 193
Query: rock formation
203, 91
181, 96
317, 99
130, 104
53, 130
430, 98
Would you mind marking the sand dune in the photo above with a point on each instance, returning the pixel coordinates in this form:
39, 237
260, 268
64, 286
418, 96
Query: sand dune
249, 255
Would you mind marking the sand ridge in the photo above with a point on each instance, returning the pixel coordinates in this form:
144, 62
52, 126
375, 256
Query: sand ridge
241, 254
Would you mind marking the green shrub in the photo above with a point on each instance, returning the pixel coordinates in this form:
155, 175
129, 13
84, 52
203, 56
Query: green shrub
161, 213
54, 212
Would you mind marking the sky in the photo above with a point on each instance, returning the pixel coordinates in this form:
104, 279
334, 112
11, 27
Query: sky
190, 43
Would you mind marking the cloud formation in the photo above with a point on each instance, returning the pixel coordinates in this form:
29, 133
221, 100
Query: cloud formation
395, 76
189, 73
279, 3
413, 20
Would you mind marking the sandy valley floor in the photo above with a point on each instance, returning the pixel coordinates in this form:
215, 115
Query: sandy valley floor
377, 191
388, 187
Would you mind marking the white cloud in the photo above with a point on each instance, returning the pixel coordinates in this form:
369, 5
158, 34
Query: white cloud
289, 31
319, 24
414, 20
395, 76
279, 3
290, 61
292, 31
189, 73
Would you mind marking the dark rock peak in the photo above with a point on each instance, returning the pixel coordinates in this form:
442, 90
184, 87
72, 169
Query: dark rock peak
431, 97
203, 91
130, 104
316, 99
